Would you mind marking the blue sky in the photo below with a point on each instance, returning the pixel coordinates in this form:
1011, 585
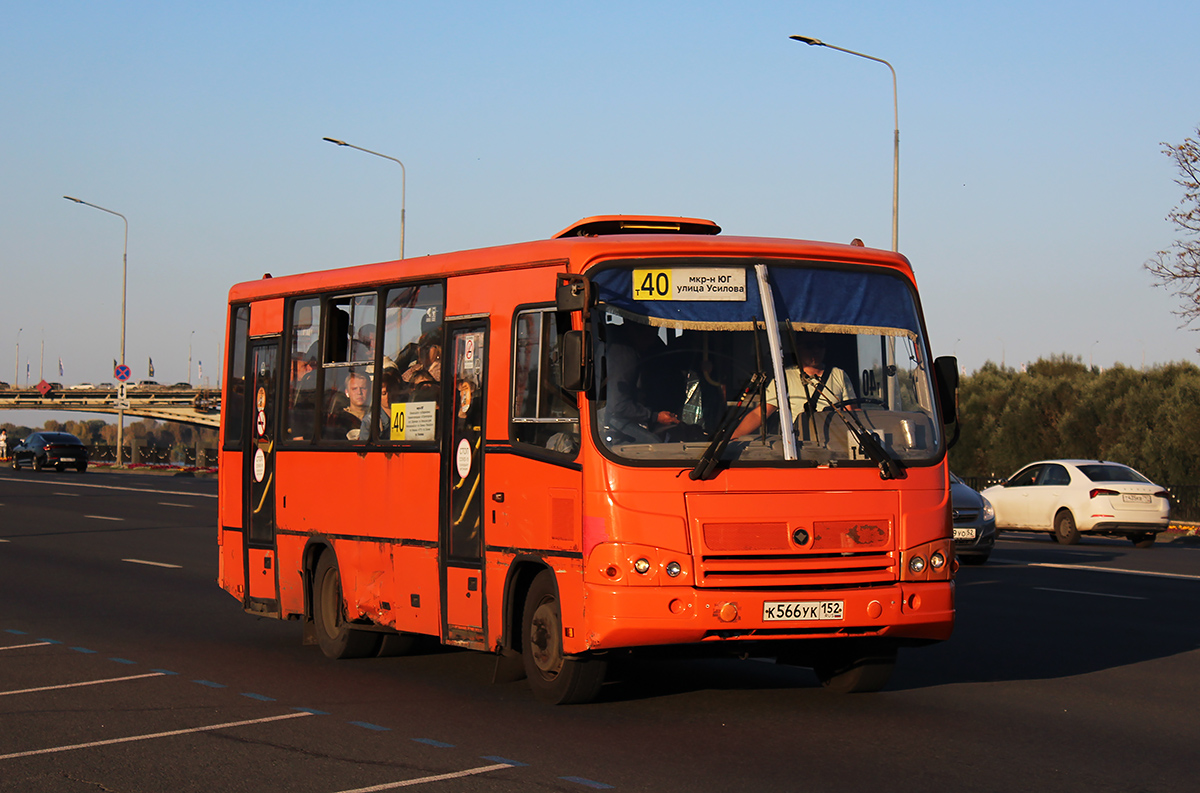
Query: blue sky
1032, 184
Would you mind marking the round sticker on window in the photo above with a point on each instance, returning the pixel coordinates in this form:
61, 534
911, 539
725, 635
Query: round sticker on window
463, 458
260, 465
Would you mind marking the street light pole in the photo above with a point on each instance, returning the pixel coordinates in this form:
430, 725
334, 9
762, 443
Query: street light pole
896, 143
403, 181
193, 333
17, 362
124, 292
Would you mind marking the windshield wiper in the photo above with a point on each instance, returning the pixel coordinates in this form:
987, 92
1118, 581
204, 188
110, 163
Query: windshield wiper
706, 466
890, 466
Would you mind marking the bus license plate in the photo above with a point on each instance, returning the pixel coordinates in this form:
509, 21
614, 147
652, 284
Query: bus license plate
802, 610
964, 534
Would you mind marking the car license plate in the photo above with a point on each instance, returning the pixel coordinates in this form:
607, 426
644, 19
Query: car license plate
1136, 498
802, 610
66, 459
964, 534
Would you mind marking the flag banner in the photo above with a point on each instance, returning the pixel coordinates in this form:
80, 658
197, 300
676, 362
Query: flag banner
151, 367
200, 371
60, 368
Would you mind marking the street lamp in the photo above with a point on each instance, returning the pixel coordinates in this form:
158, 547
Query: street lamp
896, 151
124, 282
403, 181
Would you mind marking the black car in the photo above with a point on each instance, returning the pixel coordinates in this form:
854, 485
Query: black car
974, 523
60, 449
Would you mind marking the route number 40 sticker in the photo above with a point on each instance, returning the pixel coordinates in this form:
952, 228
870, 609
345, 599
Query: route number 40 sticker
690, 283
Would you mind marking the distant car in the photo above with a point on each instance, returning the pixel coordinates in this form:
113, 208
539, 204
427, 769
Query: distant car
145, 384
58, 449
180, 385
1072, 497
80, 387
105, 385
974, 523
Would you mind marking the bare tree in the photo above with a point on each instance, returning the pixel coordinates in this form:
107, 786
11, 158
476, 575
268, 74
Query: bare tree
1178, 268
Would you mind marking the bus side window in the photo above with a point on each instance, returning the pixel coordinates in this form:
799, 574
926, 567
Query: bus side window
543, 415
412, 346
303, 360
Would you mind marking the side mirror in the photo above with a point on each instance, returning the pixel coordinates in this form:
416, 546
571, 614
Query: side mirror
945, 371
576, 361
574, 293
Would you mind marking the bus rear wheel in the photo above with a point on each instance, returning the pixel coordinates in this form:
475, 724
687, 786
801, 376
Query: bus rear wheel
856, 669
554, 678
334, 634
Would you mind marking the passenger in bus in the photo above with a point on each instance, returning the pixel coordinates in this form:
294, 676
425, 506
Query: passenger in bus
302, 398
363, 346
345, 422
812, 386
389, 385
634, 397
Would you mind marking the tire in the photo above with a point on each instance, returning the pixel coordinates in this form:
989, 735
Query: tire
16, 465
334, 634
1064, 529
857, 669
554, 678
60, 467
81, 467
1143, 539
37, 463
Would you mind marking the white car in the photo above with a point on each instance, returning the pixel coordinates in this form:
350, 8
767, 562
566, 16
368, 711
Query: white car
1072, 497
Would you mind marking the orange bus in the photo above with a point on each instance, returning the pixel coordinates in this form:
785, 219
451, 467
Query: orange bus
636, 433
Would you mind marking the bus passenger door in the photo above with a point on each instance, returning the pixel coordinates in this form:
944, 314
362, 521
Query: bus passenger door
461, 534
259, 476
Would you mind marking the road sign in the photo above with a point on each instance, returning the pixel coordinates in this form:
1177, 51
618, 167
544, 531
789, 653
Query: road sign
122, 373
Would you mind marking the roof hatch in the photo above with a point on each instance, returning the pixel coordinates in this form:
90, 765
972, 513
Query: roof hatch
604, 225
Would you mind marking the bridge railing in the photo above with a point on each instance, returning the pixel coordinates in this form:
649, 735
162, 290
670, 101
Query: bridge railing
140, 454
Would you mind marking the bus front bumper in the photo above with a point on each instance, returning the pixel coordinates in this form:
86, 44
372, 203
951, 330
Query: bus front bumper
646, 616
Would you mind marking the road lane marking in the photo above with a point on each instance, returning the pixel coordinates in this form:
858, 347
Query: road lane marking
153, 564
1096, 594
78, 685
425, 779
118, 487
23, 646
1115, 570
153, 735
173, 504
71, 495
102, 517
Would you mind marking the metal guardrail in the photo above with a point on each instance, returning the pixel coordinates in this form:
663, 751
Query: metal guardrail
199, 406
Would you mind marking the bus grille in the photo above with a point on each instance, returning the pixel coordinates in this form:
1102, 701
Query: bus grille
783, 570
793, 541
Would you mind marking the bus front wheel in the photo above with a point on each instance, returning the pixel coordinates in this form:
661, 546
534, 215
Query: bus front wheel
334, 634
554, 678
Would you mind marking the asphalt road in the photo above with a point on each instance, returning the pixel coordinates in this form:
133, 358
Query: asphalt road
124, 668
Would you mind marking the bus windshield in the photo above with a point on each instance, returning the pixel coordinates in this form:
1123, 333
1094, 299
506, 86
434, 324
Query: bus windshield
690, 355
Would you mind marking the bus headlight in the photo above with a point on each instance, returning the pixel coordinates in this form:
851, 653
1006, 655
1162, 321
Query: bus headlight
673, 569
642, 565
916, 564
937, 561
